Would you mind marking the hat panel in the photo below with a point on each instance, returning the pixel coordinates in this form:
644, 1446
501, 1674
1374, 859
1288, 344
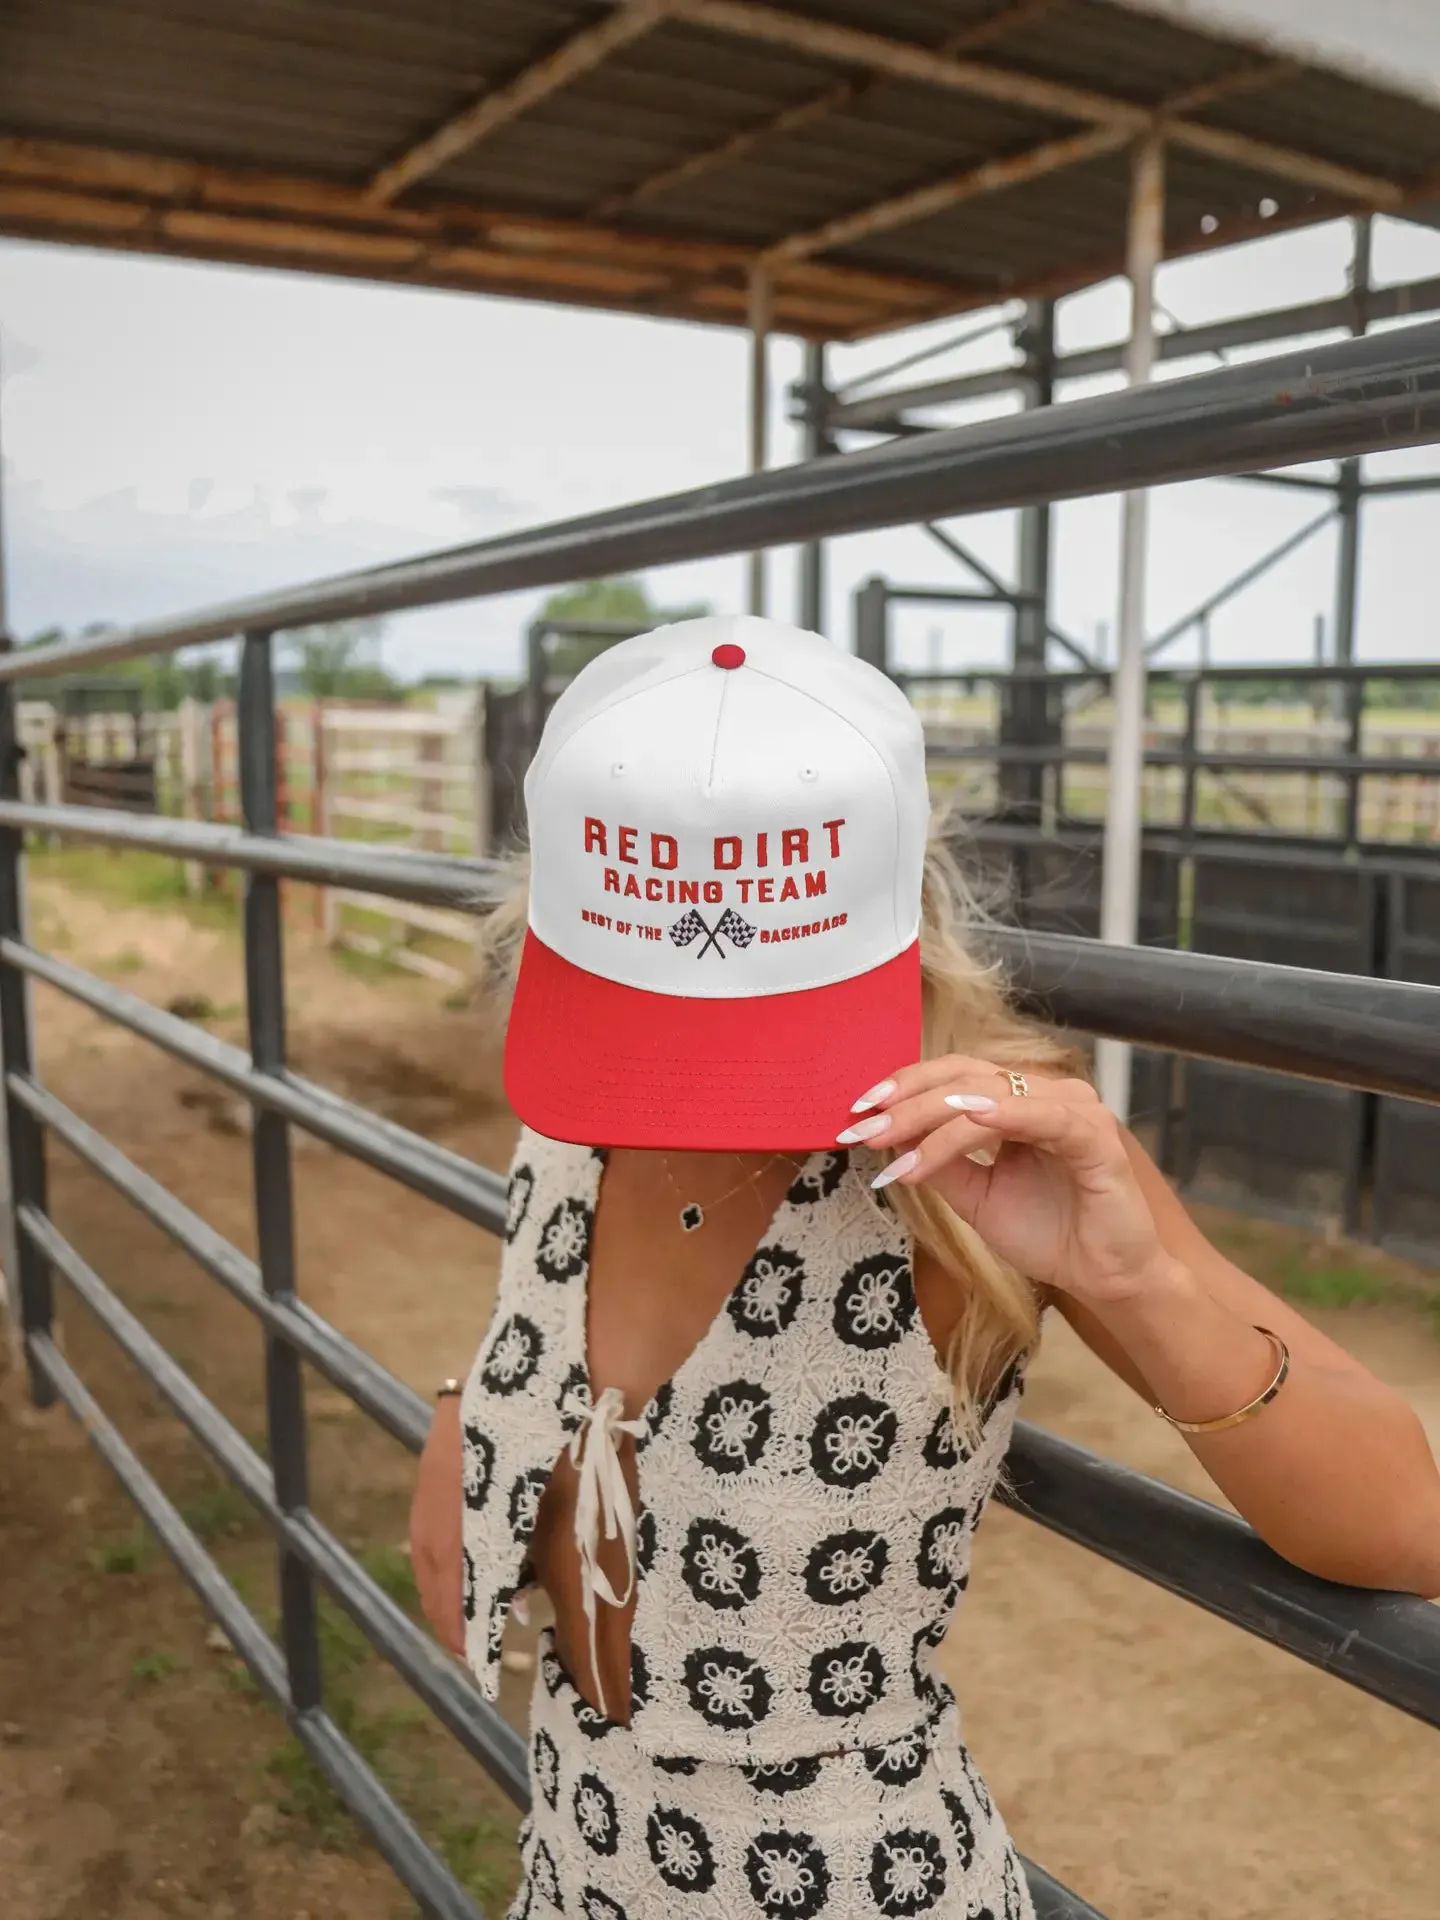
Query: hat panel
725, 798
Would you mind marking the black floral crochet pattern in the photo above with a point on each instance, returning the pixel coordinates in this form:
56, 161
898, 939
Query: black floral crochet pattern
768, 1297
596, 1819
545, 1767
681, 1850
513, 1357
719, 1565
847, 1679
478, 1468
875, 1303
944, 1544
788, 1874
852, 1440
565, 1242
845, 1567
525, 1501
907, 1872
733, 1427
726, 1688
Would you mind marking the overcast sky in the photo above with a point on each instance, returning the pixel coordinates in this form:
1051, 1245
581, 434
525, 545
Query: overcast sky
175, 435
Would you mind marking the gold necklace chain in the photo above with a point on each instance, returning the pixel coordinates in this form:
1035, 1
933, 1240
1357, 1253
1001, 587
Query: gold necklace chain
692, 1214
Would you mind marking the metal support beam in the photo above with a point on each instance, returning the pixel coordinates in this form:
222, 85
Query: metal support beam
1200, 616
807, 112
1351, 489
959, 551
759, 447
902, 60
270, 1157
811, 610
500, 105
1025, 718
878, 412
872, 623
1120, 876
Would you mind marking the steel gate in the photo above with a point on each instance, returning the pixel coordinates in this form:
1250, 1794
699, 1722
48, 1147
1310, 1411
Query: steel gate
1379, 1035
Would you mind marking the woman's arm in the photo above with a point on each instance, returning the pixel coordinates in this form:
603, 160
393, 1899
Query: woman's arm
1336, 1473
436, 1512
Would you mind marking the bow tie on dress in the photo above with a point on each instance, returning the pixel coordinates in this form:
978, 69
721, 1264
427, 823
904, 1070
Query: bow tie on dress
602, 1498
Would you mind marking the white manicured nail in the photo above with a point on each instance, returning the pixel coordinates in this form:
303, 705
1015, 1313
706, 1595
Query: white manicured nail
880, 1091
905, 1164
863, 1130
971, 1102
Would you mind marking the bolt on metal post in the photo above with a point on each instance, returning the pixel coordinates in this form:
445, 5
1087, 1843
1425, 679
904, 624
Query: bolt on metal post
270, 1154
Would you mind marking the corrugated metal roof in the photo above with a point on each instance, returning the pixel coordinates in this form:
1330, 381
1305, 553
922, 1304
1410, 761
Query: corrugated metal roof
258, 133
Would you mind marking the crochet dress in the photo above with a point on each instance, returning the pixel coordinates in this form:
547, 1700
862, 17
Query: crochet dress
804, 1525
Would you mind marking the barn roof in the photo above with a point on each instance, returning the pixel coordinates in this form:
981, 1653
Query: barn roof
881, 161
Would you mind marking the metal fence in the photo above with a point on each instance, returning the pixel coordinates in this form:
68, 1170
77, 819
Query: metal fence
1381, 1035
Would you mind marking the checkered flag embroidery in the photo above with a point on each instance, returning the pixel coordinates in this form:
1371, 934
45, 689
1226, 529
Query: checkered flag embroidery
734, 929
687, 928
729, 926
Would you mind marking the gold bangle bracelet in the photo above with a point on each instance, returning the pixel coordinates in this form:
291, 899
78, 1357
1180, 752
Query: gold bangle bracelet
1282, 1369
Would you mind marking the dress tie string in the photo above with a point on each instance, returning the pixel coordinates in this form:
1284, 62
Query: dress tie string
602, 1498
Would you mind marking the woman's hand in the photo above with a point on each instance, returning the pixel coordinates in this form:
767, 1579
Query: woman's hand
436, 1512
1060, 1200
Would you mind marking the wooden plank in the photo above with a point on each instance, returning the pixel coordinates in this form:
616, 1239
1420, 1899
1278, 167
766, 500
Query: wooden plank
452, 772
413, 962
393, 814
446, 926
391, 720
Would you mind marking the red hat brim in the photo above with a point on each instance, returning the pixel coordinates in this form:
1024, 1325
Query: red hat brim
605, 1065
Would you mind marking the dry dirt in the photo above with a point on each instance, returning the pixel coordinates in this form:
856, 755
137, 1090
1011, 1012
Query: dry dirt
1157, 1760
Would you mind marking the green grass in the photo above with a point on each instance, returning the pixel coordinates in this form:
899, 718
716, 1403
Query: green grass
478, 1848
128, 960
1332, 1286
218, 1511
154, 1665
130, 1553
133, 879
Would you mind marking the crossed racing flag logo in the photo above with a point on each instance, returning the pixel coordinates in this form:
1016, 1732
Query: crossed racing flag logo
690, 926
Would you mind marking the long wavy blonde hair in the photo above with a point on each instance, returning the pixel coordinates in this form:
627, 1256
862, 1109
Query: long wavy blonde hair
965, 1010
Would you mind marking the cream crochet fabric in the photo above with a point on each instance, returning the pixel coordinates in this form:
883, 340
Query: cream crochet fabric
803, 1536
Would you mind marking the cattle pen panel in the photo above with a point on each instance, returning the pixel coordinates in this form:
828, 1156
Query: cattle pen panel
1380, 1035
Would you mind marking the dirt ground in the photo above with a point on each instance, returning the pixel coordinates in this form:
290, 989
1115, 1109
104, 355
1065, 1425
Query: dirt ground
1157, 1760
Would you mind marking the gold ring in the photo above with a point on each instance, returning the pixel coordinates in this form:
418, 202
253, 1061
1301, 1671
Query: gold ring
1019, 1085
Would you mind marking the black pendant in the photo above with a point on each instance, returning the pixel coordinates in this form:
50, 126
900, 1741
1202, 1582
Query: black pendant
692, 1217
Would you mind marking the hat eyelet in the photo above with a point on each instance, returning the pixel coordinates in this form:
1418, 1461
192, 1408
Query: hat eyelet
617, 769
809, 773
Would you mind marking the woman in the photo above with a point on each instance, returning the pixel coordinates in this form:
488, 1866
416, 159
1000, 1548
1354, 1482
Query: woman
762, 1329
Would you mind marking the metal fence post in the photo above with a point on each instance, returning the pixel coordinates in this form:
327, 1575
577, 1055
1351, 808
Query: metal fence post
270, 1150
872, 623
22, 1178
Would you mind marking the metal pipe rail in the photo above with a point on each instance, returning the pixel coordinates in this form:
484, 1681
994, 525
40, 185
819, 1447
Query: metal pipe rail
1379, 1035
1360, 396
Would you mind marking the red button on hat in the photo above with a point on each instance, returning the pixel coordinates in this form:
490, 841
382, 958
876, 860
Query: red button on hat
728, 655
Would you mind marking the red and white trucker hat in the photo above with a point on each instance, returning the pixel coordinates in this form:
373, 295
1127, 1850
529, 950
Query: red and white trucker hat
727, 826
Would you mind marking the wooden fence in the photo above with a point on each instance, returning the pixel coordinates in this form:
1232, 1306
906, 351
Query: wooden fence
398, 775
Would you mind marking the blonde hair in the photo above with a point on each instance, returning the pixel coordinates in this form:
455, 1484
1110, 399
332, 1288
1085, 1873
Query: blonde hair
964, 1011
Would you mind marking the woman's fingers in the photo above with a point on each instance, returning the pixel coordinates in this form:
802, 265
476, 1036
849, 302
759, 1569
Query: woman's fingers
1082, 1135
